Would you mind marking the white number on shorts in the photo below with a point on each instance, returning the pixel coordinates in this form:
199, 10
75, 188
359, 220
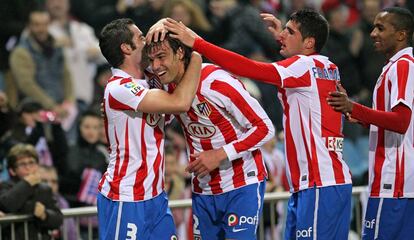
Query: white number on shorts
195, 225
132, 231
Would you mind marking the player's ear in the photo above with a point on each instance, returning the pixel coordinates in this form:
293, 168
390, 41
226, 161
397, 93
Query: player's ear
125, 48
12, 172
309, 43
401, 36
180, 53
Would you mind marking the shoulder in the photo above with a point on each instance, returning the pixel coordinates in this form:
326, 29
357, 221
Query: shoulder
20, 52
297, 59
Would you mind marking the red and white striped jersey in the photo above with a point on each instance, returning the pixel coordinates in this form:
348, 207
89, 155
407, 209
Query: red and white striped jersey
313, 130
223, 114
391, 161
136, 162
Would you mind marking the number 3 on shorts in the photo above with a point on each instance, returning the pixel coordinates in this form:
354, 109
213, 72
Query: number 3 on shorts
132, 231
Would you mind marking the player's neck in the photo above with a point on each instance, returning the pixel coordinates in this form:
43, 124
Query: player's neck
398, 48
180, 74
135, 72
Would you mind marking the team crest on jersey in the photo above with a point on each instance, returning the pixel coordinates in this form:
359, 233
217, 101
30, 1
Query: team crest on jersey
199, 130
153, 119
204, 109
134, 88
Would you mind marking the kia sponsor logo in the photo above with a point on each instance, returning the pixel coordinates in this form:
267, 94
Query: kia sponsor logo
201, 131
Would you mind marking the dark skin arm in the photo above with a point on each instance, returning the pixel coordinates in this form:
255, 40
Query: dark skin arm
398, 120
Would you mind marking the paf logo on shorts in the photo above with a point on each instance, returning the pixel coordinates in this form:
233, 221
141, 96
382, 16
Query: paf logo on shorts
153, 119
201, 131
232, 220
173, 237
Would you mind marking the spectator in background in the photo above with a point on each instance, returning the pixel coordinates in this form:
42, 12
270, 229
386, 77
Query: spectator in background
14, 15
25, 194
84, 164
41, 129
144, 12
238, 27
103, 74
81, 50
49, 176
39, 67
190, 13
7, 118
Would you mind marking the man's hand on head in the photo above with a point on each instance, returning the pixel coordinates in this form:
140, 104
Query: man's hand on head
157, 32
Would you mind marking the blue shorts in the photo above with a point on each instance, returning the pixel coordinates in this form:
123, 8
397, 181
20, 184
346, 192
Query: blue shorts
150, 219
319, 213
230, 215
389, 218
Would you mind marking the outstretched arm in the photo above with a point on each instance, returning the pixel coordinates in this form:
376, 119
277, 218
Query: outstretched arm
398, 120
230, 61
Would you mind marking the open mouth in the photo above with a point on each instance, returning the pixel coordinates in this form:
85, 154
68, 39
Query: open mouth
161, 73
377, 43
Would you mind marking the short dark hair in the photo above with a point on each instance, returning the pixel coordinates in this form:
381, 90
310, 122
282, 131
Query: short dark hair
28, 105
18, 151
112, 36
312, 24
175, 44
402, 20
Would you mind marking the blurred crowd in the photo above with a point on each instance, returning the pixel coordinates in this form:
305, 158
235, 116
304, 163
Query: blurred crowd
52, 77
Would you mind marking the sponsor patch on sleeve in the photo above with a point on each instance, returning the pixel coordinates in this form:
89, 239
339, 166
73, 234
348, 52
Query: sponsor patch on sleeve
134, 88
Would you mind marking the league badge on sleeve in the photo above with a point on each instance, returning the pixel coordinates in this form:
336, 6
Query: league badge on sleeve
134, 88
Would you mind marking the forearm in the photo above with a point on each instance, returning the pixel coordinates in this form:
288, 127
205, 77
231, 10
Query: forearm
54, 219
397, 121
68, 85
13, 199
238, 64
261, 132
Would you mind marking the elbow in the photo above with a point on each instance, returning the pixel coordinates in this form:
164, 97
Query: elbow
183, 106
404, 125
270, 129
403, 128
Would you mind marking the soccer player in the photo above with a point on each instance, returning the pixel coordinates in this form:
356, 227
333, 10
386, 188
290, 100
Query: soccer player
224, 129
390, 208
132, 203
317, 174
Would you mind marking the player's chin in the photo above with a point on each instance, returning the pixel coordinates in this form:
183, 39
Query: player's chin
284, 53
